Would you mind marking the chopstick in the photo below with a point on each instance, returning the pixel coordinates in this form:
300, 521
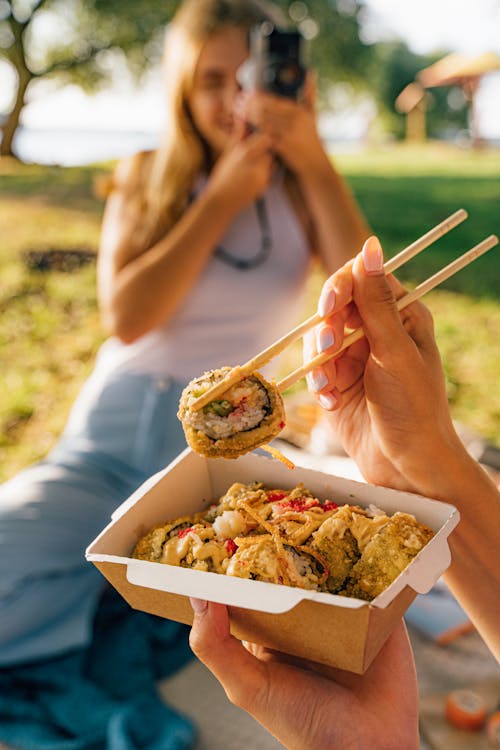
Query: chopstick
240, 371
407, 299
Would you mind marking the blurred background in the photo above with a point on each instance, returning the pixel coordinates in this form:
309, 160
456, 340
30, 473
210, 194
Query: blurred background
408, 105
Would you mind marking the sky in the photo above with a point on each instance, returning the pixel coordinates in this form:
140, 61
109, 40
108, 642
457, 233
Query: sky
469, 26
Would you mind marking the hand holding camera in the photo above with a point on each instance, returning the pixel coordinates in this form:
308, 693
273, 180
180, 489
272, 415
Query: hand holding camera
276, 62
277, 97
243, 171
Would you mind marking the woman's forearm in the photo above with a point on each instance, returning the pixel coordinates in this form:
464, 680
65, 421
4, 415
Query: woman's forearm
339, 225
474, 573
149, 288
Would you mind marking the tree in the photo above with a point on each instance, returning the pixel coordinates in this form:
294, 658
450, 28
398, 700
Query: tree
68, 40
86, 32
336, 50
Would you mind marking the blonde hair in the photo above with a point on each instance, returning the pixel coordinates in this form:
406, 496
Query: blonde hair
165, 178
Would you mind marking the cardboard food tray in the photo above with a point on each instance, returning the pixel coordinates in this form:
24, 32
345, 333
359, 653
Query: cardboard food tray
335, 630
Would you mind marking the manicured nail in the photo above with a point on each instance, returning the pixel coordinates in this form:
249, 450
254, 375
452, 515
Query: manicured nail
373, 258
199, 605
327, 401
324, 338
326, 301
317, 380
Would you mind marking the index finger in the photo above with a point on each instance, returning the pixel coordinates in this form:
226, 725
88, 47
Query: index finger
336, 292
258, 142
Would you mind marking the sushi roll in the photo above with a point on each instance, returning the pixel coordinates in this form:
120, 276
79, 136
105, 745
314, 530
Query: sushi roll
253, 532
151, 546
386, 555
341, 540
339, 550
249, 414
257, 558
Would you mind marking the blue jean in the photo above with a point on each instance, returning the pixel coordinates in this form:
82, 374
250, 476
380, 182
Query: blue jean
122, 429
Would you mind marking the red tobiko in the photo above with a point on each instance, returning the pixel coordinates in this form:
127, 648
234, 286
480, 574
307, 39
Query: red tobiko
298, 504
185, 532
301, 504
273, 497
230, 546
329, 505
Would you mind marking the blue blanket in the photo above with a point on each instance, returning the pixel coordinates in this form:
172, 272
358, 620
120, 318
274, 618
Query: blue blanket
102, 697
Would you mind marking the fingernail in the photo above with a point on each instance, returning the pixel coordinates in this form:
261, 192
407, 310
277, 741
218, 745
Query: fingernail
373, 258
199, 605
326, 301
317, 380
327, 401
324, 339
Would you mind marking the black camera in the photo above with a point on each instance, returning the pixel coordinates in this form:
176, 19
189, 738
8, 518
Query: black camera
276, 61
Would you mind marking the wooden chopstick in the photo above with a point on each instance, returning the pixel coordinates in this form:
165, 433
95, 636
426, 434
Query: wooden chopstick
266, 355
407, 299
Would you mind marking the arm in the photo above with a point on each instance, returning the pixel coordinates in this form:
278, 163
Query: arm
141, 288
310, 706
474, 575
339, 228
387, 401
339, 225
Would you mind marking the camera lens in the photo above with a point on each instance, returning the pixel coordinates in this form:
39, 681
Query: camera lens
277, 60
283, 77
289, 75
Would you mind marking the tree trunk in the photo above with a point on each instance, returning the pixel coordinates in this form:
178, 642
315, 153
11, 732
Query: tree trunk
18, 58
10, 126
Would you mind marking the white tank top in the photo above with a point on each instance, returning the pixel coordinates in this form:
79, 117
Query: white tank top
230, 314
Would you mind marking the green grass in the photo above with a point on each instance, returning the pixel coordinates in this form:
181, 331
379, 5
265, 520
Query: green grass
49, 324
404, 192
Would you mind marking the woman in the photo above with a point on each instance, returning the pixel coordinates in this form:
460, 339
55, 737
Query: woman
204, 242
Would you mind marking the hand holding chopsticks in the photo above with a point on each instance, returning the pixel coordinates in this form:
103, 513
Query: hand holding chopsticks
239, 372
401, 303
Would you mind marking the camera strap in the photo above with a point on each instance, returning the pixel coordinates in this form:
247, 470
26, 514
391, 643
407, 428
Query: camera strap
266, 243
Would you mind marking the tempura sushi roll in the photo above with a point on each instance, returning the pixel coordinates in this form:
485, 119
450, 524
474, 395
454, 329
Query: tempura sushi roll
249, 414
386, 555
335, 542
256, 558
254, 532
151, 546
341, 540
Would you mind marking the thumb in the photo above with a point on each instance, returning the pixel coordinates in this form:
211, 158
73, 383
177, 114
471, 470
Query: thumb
375, 301
240, 673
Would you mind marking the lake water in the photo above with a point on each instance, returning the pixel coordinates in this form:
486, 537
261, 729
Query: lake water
76, 147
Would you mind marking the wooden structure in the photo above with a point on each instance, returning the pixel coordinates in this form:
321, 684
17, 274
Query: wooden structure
412, 102
455, 69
